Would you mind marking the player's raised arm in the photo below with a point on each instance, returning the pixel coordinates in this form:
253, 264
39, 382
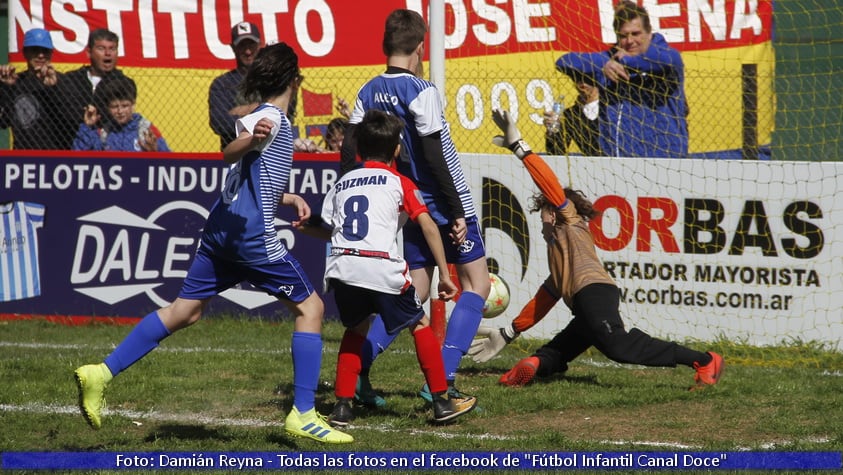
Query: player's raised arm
247, 140
541, 173
493, 340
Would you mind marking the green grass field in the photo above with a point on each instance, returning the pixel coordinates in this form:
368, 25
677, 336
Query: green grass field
226, 385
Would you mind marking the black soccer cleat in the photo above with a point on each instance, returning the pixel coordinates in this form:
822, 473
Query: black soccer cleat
445, 410
342, 413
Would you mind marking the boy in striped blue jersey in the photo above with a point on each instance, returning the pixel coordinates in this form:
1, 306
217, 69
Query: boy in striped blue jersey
429, 158
239, 243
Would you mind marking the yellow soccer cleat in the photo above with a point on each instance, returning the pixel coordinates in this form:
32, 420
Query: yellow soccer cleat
314, 426
91, 380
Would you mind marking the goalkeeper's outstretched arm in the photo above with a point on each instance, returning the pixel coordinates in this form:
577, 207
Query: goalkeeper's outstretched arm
541, 173
493, 340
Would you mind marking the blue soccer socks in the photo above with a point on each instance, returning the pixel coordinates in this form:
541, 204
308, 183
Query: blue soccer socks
141, 340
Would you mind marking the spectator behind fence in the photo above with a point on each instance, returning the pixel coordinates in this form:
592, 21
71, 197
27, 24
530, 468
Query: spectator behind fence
124, 129
29, 101
578, 123
643, 107
335, 133
226, 102
78, 86
335, 130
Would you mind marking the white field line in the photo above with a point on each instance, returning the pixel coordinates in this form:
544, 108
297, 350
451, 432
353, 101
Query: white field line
277, 351
286, 351
137, 416
154, 416
283, 350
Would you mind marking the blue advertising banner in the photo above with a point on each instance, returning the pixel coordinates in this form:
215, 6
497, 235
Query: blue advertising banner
113, 234
405, 461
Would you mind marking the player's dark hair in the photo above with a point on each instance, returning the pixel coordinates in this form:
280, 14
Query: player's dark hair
117, 88
626, 11
403, 32
274, 69
377, 135
576, 197
102, 34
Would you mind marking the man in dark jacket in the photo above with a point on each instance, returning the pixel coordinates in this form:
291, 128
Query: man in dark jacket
642, 79
78, 86
29, 101
225, 102
578, 124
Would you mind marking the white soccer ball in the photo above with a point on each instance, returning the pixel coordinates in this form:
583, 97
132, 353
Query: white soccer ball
498, 298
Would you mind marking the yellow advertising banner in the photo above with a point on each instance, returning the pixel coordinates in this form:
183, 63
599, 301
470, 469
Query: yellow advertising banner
497, 55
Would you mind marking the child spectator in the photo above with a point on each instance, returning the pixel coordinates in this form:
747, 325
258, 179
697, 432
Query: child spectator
334, 134
125, 130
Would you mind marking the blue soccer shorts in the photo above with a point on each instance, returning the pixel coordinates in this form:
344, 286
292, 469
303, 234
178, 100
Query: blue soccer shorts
418, 254
398, 312
209, 275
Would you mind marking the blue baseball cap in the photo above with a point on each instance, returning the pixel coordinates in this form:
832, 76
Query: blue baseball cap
37, 37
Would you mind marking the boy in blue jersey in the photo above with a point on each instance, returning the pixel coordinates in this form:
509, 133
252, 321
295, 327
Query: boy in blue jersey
111, 123
239, 243
429, 158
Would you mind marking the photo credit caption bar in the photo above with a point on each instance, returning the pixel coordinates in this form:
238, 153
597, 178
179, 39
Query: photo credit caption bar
499, 461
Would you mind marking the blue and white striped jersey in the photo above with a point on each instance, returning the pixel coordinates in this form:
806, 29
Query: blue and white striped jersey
417, 102
20, 277
241, 225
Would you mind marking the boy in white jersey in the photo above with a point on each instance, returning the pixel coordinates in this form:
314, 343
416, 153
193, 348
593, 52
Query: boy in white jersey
366, 209
428, 158
239, 243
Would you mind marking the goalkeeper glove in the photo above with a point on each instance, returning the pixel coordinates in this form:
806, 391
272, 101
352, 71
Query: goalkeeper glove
493, 341
511, 137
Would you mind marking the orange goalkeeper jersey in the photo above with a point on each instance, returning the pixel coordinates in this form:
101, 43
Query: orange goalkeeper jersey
571, 255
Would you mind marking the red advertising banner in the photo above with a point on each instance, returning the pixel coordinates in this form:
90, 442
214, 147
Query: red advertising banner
196, 34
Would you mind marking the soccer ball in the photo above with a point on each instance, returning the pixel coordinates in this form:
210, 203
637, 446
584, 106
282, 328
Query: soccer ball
498, 297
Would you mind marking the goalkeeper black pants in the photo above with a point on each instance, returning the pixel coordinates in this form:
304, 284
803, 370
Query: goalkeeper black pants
597, 322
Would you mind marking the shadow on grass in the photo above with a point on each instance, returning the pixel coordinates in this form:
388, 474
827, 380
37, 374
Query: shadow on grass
186, 432
289, 442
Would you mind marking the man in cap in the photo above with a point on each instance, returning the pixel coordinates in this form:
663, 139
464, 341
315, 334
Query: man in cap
29, 101
226, 103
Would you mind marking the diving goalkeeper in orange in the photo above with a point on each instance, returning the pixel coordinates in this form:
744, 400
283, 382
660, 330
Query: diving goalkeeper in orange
578, 278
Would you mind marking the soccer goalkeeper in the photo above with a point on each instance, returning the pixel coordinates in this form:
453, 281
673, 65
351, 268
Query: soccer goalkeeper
576, 276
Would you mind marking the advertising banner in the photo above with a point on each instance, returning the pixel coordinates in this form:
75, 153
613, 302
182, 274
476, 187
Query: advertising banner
196, 34
701, 249
115, 233
753, 255
497, 54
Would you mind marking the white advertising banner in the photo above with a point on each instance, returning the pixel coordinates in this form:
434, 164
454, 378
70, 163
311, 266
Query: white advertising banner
701, 249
